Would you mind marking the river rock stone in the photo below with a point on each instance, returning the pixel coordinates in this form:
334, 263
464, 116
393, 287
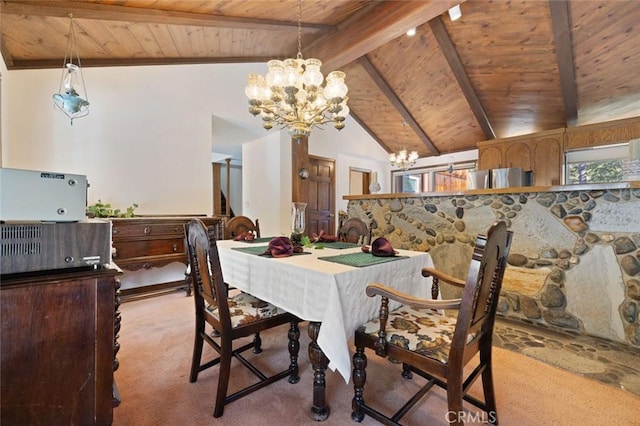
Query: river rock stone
633, 334
553, 297
530, 308
561, 319
557, 276
629, 311
624, 245
633, 289
575, 223
516, 259
630, 265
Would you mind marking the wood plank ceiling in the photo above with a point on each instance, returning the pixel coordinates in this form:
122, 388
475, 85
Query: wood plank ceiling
505, 68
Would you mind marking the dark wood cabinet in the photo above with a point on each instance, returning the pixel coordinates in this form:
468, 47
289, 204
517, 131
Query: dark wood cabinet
58, 348
152, 242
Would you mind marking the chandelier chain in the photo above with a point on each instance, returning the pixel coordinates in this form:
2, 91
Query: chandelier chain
300, 29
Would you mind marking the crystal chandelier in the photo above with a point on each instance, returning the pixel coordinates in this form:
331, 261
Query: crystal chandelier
291, 95
72, 96
403, 159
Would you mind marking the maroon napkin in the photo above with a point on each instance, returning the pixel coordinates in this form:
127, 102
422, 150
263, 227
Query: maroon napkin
324, 238
279, 247
245, 236
380, 247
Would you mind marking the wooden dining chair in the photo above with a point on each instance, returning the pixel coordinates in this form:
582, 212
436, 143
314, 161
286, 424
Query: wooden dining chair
354, 230
433, 345
221, 320
240, 224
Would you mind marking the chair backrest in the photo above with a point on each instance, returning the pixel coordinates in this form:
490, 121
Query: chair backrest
354, 230
206, 273
477, 312
239, 224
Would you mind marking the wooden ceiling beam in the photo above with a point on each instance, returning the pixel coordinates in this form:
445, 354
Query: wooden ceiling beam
379, 25
112, 12
451, 54
88, 63
379, 80
562, 39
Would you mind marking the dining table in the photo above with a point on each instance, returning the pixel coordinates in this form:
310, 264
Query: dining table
325, 285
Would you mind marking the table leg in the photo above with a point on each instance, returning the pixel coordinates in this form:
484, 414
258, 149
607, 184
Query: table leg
319, 362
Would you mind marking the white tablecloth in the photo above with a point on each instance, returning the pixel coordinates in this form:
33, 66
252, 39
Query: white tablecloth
318, 290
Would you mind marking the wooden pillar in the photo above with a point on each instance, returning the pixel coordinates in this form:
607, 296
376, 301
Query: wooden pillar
217, 189
299, 159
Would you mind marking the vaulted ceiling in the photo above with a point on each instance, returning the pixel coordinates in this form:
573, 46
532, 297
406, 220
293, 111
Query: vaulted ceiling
505, 68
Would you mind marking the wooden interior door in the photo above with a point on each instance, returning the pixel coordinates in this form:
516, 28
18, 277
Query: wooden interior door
321, 196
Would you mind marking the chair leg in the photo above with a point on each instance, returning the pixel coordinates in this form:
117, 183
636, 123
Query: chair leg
406, 371
223, 378
455, 415
489, 396
294, 349
359, 379
198, 342
257, 343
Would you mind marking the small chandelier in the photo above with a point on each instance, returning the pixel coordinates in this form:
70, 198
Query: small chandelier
291, 94
403, 159
72, 96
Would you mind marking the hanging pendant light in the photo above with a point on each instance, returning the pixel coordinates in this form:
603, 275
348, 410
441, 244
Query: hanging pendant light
403, 159
291, 94
72, 96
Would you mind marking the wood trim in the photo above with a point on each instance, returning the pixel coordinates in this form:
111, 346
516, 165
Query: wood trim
149, 15
451, 54
562, 39
379, 80
602, 133
377, 26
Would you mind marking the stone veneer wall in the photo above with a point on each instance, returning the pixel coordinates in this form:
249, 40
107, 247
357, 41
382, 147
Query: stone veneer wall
574, 262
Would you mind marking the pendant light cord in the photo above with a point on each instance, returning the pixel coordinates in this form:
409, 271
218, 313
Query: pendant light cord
300, 29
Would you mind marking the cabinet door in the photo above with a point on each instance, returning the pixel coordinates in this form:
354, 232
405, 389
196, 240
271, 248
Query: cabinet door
489, 158
547, 160
518, 154
57, 353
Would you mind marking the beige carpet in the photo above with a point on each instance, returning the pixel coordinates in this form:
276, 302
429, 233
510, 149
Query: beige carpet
155, 355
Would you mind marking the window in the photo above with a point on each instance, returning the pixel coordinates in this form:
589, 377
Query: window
441, 178
612, 163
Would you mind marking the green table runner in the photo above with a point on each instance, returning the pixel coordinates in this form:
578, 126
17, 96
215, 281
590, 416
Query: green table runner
258, 250
360, 259
338, 245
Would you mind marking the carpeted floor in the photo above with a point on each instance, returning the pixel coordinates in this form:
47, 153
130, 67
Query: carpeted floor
156, 344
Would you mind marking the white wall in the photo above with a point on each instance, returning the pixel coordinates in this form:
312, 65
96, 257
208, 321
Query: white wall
147, 138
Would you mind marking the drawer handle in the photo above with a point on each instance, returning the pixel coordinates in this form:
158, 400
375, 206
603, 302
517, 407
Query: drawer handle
175, 247
147, 229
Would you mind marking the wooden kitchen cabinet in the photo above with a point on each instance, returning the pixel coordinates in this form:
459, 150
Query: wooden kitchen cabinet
152, 242
541, 152
58, 348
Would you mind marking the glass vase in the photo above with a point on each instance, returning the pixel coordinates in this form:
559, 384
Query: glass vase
298, 217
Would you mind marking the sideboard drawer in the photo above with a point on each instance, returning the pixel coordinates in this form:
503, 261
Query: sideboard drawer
149, 247
146, 229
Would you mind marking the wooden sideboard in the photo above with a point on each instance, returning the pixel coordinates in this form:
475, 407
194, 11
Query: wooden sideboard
58, 348
152, 242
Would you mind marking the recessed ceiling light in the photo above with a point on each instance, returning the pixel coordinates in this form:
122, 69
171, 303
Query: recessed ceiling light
411, 32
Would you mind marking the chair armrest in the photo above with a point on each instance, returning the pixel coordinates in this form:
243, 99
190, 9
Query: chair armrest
431, 272
406, 299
